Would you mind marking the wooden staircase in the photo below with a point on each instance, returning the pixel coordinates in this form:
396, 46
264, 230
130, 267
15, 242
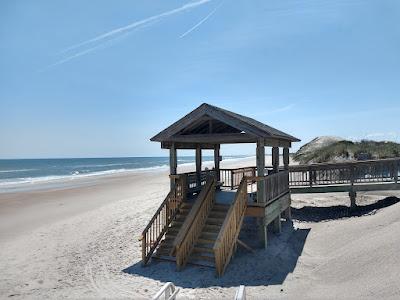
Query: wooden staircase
203, 253
202, 233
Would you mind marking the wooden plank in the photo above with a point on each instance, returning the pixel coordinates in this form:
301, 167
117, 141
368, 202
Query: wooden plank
214, 138
253, 211
168, 145
345, 188
271, 215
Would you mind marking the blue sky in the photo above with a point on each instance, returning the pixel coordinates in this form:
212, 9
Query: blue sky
99, 78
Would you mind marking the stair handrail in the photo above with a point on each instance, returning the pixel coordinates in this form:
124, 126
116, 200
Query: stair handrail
159, 223
230, 229
193, 225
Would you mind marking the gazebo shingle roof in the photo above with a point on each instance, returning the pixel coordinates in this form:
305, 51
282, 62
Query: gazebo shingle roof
209, 124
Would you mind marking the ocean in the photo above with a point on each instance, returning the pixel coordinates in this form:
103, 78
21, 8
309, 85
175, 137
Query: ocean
23, 172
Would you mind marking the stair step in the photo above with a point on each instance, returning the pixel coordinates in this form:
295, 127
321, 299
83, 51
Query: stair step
215, 221
217, 215
176, 224
209, 235
205, 241
180, 218
203, 263
220, 208
211, 228
163, 252
167, 244
174, 230
165, 257
203, 256
202, 249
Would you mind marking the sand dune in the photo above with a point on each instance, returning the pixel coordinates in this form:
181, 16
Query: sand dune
93, 252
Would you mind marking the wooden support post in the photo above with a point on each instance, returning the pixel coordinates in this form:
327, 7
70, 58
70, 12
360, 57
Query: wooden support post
352, 193
263, 231
198, 166
396, 171
353, 196
286, 158
275, 159
217, 162
173, 164
287, 214
260, 160
277, 224
261, 196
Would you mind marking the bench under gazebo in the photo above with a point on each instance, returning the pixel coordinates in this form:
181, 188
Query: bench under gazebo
193, 225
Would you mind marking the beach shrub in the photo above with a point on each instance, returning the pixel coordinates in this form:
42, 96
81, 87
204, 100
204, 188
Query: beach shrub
346, 151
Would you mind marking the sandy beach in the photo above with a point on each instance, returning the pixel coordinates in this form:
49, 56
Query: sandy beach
81, 241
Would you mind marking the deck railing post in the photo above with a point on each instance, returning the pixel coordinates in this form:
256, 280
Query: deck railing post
310, 177
352, 175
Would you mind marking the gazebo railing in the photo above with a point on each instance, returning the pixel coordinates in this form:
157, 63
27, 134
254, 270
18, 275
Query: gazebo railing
192, 182
275, 185
231, 178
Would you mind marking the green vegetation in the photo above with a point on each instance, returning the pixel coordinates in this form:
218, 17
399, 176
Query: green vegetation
347, 150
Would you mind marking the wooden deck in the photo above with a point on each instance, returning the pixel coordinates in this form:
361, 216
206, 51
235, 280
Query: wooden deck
329, 177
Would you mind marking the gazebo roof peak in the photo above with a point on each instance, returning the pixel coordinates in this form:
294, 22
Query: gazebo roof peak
209, 125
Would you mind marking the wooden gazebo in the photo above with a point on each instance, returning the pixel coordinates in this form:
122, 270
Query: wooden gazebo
207, 127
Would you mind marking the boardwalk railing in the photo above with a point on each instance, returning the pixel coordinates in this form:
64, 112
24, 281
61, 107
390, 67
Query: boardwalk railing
229, 232
193, 225
361, 172
159, 223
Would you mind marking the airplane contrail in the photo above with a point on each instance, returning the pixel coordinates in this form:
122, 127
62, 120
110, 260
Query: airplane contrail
201, 21
137, 24
84, 52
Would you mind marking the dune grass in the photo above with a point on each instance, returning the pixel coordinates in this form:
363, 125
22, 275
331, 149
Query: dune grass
348, 150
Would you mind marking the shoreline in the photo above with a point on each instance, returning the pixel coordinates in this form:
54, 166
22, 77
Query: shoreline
60, 181
27, 209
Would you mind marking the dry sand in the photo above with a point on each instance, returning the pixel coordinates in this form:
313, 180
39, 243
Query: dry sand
82, 242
